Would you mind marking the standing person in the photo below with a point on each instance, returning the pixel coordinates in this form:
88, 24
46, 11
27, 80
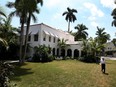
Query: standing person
103, 65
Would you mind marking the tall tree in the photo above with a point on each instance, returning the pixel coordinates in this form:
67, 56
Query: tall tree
70, 17
20, 12
102, 36
94, 46
31, 8
24, 10
81, 32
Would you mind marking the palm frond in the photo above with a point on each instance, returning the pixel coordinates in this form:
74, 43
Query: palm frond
40, 1
65, 13
10, 4
34, 18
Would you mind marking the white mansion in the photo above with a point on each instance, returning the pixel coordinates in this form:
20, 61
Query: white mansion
42, 34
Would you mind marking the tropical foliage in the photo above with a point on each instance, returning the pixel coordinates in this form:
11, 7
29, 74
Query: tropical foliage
92, 50
70, 17
81, 32
102, 36
62, 43
24, 9
6, 70
114, 17
42, 54
9, 36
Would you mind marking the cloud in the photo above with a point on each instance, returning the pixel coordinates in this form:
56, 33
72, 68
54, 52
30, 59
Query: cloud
57, 16
93, 9
94, 24
52, 3
108, 3
58, 3
95, 13
92, 18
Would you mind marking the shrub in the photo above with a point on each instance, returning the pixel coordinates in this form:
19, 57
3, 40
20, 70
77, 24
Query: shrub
89, 59
5, 72
51, 58
42, 54
36, 57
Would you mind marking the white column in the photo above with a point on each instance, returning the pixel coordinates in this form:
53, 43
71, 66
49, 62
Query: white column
79, 53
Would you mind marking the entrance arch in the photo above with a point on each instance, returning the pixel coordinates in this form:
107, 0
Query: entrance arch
69, 52
76, 53
62, 52
57, 51
53, 51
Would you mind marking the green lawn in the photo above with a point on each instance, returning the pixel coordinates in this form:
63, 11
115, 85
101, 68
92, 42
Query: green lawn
64, 73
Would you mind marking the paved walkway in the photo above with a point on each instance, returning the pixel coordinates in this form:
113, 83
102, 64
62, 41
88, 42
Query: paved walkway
109, 58
14, 61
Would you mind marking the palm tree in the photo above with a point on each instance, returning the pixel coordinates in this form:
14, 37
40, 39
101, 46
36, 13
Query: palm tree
85, 46
70, 17
4, 42
24, 10
91, 46
7, 32
102, 36
62, 43
2, 13
114, 17
94, 46
30, 11
81, 33
21, 12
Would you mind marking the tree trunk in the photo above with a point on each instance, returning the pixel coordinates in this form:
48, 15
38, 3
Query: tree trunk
26, 37
68, 26
21, 42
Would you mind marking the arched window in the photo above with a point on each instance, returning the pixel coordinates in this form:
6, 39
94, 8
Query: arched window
76, 53
63, 52
58, 52
36, 37
69, 52
53, 51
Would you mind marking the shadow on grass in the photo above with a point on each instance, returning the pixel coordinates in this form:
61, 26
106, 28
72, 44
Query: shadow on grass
105, 73
19, 71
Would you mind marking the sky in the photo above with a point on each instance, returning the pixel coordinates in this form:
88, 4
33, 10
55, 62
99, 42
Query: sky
91, 13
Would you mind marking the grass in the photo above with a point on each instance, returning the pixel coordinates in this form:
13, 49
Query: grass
68, 73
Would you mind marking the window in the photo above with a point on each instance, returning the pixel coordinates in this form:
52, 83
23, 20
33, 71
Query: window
29, 38
54, 39
36, 37
58, 39
44, 38
49, 38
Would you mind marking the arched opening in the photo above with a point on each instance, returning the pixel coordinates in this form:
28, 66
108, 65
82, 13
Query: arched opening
62, 52
76, 53
53, 51
58, 52
69, 52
